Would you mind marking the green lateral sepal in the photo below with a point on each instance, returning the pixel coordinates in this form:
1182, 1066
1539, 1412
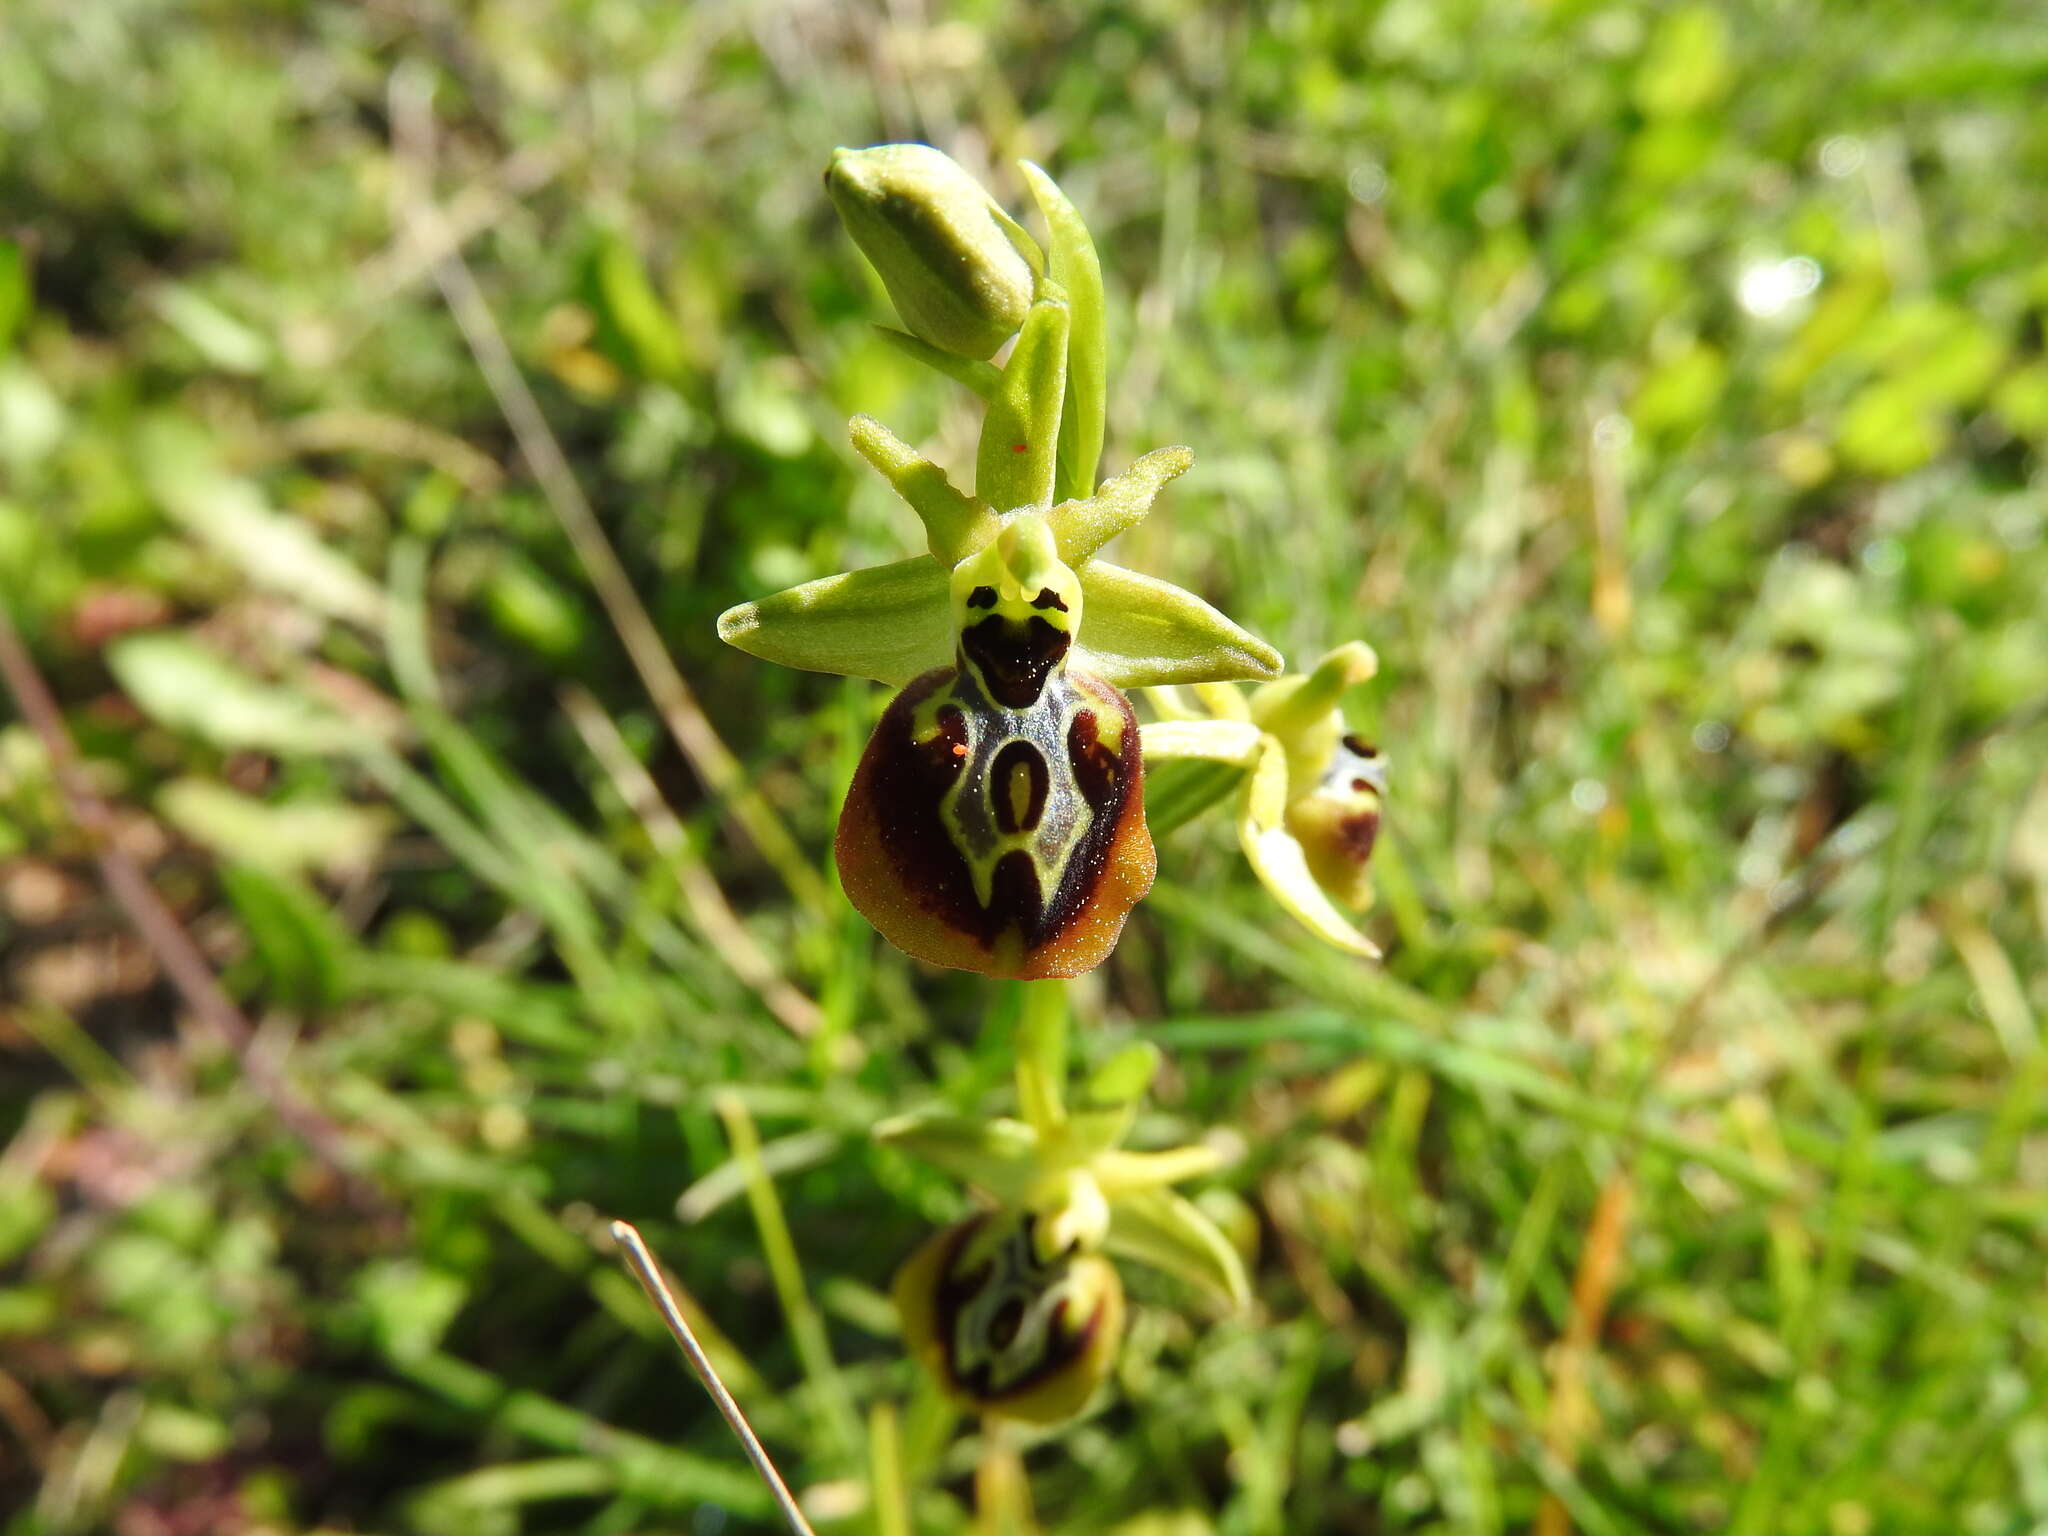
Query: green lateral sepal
1159, 1228
887, 622
997, 1155
1142, 632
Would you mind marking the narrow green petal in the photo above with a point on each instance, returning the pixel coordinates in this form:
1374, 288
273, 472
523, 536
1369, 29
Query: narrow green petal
998, 1155
1076, 268
1082, 527
1157, 1227
955, 526
1119, 1173
1281, 865
1013, 470
1140, 632
1218, 741
888, 622
1295, 704
982, 378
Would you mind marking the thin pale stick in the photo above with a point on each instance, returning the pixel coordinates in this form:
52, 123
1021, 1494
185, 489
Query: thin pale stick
674, 700
648, 1273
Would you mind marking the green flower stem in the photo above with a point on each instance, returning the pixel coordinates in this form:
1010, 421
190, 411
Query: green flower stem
887, 1486
1042, 1057
806, 1325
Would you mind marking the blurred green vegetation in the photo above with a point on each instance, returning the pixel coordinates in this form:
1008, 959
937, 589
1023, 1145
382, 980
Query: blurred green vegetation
1660, 389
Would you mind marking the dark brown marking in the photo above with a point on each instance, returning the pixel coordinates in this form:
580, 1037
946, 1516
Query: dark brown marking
1047, 598
982, 597
1357, 834
1015, 665
1361, 746
1015, 899
1097, 770
1019, 756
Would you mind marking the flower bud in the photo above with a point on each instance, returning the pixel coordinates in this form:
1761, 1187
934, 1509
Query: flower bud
939, 241
1338, 821
1006, 1327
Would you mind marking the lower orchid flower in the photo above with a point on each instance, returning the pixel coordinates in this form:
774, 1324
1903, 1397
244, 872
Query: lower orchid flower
1018, 1311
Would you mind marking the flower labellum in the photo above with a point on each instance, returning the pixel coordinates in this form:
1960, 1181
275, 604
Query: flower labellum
1338, 820
945, 251
997, 821
1007, 1326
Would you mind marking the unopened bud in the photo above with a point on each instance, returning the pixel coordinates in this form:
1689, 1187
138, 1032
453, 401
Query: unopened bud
939, 241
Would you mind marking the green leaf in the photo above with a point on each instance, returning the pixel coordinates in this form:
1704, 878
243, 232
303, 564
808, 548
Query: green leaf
301, 947
1082, 527
1140, 632
15, 297
289, 837
1077, 270
636, 325
983, 378
408, 1305
888, 622
999, 1155
180, 684
277, 552
1014, 467
1159, 1228
955, 525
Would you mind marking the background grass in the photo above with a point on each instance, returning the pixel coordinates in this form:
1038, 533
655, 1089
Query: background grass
1660, 389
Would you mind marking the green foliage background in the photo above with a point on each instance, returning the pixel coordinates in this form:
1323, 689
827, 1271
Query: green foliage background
1660, 389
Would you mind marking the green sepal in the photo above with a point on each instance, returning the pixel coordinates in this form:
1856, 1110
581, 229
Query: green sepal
887, 622
1123, 1078
1013, 468
998, 1155
983, 378
1159, 1228
1084, 526
1076, 268
1141, 632
955, 525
